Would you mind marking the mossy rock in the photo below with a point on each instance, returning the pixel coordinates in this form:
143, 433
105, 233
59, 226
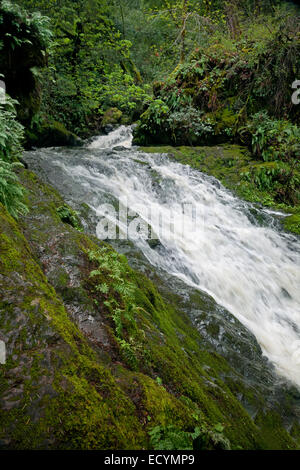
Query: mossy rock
224, 121
112, 116
292, 223
50, 134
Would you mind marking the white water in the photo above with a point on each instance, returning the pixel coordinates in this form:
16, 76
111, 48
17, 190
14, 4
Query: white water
122, 137
251, 270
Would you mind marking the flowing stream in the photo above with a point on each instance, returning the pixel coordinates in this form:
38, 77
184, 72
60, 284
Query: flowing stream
208, 238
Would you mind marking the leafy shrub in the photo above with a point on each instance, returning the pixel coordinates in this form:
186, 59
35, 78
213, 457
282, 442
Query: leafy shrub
36, 24
153, 125
188, 125
156, 113
279, 178
170, 122
170, 438
272, 139
120, 89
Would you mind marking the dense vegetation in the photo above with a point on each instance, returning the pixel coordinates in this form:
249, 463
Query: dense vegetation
191, 74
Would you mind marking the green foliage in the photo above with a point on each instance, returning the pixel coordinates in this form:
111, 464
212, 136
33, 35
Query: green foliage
87, 71
91, 67
170, 438
27, 28
11, 192
264, 177
11, 134
272, 139
69, 216
11, 131
24, 41
154, 118
281, 179
113, 288
275, 142
191, 124
202, 438
229, 78
119, 89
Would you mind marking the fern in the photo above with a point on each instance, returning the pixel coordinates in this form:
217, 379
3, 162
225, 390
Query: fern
122, 309
11, 131
11, 191
103, 288
202, 438
11, 135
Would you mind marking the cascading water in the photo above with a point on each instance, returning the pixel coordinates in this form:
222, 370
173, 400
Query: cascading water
121, 137
217, 246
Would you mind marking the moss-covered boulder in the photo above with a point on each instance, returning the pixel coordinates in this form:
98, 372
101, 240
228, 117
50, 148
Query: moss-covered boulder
49, 133
111, 117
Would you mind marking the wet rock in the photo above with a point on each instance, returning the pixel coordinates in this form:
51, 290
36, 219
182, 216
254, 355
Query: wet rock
108, 128
154, 243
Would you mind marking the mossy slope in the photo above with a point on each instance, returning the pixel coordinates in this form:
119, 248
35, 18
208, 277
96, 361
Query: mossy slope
67, 383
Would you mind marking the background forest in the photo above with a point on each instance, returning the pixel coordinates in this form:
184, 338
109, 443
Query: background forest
108, 54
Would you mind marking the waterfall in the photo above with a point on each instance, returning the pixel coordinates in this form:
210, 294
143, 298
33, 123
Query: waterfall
208, 238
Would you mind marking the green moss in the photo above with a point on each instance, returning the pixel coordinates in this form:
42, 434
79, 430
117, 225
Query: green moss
274, 434
162, 408
292, 223
111, 116
224, 121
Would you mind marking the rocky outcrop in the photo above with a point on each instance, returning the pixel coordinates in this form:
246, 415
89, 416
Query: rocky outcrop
50, 134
